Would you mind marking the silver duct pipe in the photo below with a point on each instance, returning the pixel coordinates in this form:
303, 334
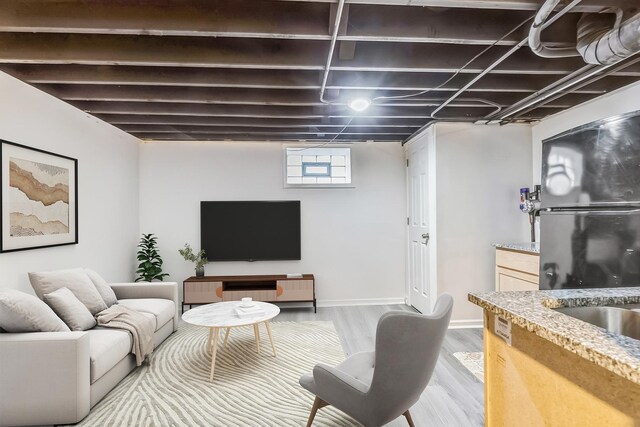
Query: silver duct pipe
540, 23
599, 43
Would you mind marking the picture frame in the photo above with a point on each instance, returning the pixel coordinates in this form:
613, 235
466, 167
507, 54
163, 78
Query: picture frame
39, 198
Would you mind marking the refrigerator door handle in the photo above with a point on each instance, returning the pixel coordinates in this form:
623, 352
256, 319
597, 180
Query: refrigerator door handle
608, 211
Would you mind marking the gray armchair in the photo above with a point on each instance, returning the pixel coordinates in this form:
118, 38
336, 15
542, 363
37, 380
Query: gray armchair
377, 387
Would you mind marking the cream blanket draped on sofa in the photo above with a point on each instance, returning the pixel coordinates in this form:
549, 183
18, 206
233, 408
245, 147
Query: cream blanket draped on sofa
137, 324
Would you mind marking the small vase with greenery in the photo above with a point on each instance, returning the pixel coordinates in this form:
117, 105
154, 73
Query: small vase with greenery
150, 266
199, 259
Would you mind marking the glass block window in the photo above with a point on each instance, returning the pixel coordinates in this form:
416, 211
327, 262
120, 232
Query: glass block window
321, 166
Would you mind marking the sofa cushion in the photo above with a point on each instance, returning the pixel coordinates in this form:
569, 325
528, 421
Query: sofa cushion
163, 309
21, 312
103, 287
70, 309
107, 347
76, 280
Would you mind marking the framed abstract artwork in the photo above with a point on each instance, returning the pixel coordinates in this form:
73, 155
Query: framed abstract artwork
39, 193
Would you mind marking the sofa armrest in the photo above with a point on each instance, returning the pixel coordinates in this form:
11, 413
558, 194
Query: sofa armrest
44, 378
164, 290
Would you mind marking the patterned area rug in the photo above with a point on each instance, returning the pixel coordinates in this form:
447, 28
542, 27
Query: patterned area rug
248, 389
474, 362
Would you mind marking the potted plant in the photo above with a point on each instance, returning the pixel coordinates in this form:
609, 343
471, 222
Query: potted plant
199, 259
150, 266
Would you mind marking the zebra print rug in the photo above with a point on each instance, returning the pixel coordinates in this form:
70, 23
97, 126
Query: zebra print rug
248, 389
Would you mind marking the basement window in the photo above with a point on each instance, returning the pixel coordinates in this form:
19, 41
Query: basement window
317, 167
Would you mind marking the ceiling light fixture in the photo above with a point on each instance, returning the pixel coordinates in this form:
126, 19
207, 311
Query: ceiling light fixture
359, 104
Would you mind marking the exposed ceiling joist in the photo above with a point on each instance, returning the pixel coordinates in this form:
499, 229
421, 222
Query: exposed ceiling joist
261, 79
267, 111
584, 6
266, 131
258, 54
273, 122
277, 20
271, 97
177, 136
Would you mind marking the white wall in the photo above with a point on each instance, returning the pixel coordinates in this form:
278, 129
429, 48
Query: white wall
353, 240
478, 173
107, 184
618, 102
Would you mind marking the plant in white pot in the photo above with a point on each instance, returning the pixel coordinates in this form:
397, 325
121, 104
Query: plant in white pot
199, 259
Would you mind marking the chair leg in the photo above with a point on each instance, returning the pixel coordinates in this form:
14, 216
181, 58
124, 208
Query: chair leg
407, 415
317, 404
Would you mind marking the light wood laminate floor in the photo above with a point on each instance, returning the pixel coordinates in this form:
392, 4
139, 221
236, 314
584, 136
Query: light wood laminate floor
454, 396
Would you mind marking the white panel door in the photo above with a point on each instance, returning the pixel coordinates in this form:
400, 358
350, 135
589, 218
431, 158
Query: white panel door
418, 227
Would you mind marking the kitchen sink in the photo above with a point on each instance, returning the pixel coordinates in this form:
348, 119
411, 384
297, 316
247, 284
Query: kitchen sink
623, 320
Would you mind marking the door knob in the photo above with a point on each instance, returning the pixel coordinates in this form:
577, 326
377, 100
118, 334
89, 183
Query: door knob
426, 237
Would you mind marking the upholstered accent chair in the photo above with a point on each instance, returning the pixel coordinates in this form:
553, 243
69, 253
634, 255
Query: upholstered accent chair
376, 387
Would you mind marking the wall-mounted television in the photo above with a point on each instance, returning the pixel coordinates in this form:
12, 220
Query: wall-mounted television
250, 230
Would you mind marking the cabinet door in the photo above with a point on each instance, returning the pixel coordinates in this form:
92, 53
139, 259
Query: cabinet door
527, 263
202, 292
510, 280
295, 290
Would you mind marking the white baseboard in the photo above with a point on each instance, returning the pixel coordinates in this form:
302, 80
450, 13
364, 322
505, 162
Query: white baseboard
464, 324
360, 301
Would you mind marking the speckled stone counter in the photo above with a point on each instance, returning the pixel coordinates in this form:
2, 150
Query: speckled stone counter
532, 311
532, 248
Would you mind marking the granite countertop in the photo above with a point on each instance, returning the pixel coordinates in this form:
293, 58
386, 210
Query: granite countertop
529, 247
532, 310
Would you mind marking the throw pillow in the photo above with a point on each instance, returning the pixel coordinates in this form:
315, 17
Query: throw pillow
21, 312
103, 287
70, 309
76, 280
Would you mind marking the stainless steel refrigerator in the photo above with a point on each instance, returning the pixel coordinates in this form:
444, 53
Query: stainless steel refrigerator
590, 206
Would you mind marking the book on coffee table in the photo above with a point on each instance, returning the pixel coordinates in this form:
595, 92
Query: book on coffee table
249, 311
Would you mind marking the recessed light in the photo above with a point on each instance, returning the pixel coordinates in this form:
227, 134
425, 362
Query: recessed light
359, 104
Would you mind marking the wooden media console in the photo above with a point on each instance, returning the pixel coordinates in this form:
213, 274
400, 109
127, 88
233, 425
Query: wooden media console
267, 288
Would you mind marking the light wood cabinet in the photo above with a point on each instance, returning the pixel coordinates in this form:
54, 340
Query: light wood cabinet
517, 271
268, 288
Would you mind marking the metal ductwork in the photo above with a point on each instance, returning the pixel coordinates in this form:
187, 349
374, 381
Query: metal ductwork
601, 43
547, 50
602, 37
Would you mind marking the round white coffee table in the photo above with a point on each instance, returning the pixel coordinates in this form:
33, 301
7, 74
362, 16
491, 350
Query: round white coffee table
222, 315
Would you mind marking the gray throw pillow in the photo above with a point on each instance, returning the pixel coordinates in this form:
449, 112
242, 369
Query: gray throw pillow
21, 312
103, 287
70, 309
76, 280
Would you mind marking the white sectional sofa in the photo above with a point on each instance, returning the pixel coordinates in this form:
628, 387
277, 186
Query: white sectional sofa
57, 377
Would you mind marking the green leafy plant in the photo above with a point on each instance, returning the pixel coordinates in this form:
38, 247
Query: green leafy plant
150, 266
199, 259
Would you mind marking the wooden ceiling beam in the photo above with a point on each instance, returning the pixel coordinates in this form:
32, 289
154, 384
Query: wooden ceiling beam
284, 79
272, 97
235, 130
274, 122
22, 48
260, 79
259, 137
215, 18
179, 110
91, 49
162, 76
532, 5
278, 20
